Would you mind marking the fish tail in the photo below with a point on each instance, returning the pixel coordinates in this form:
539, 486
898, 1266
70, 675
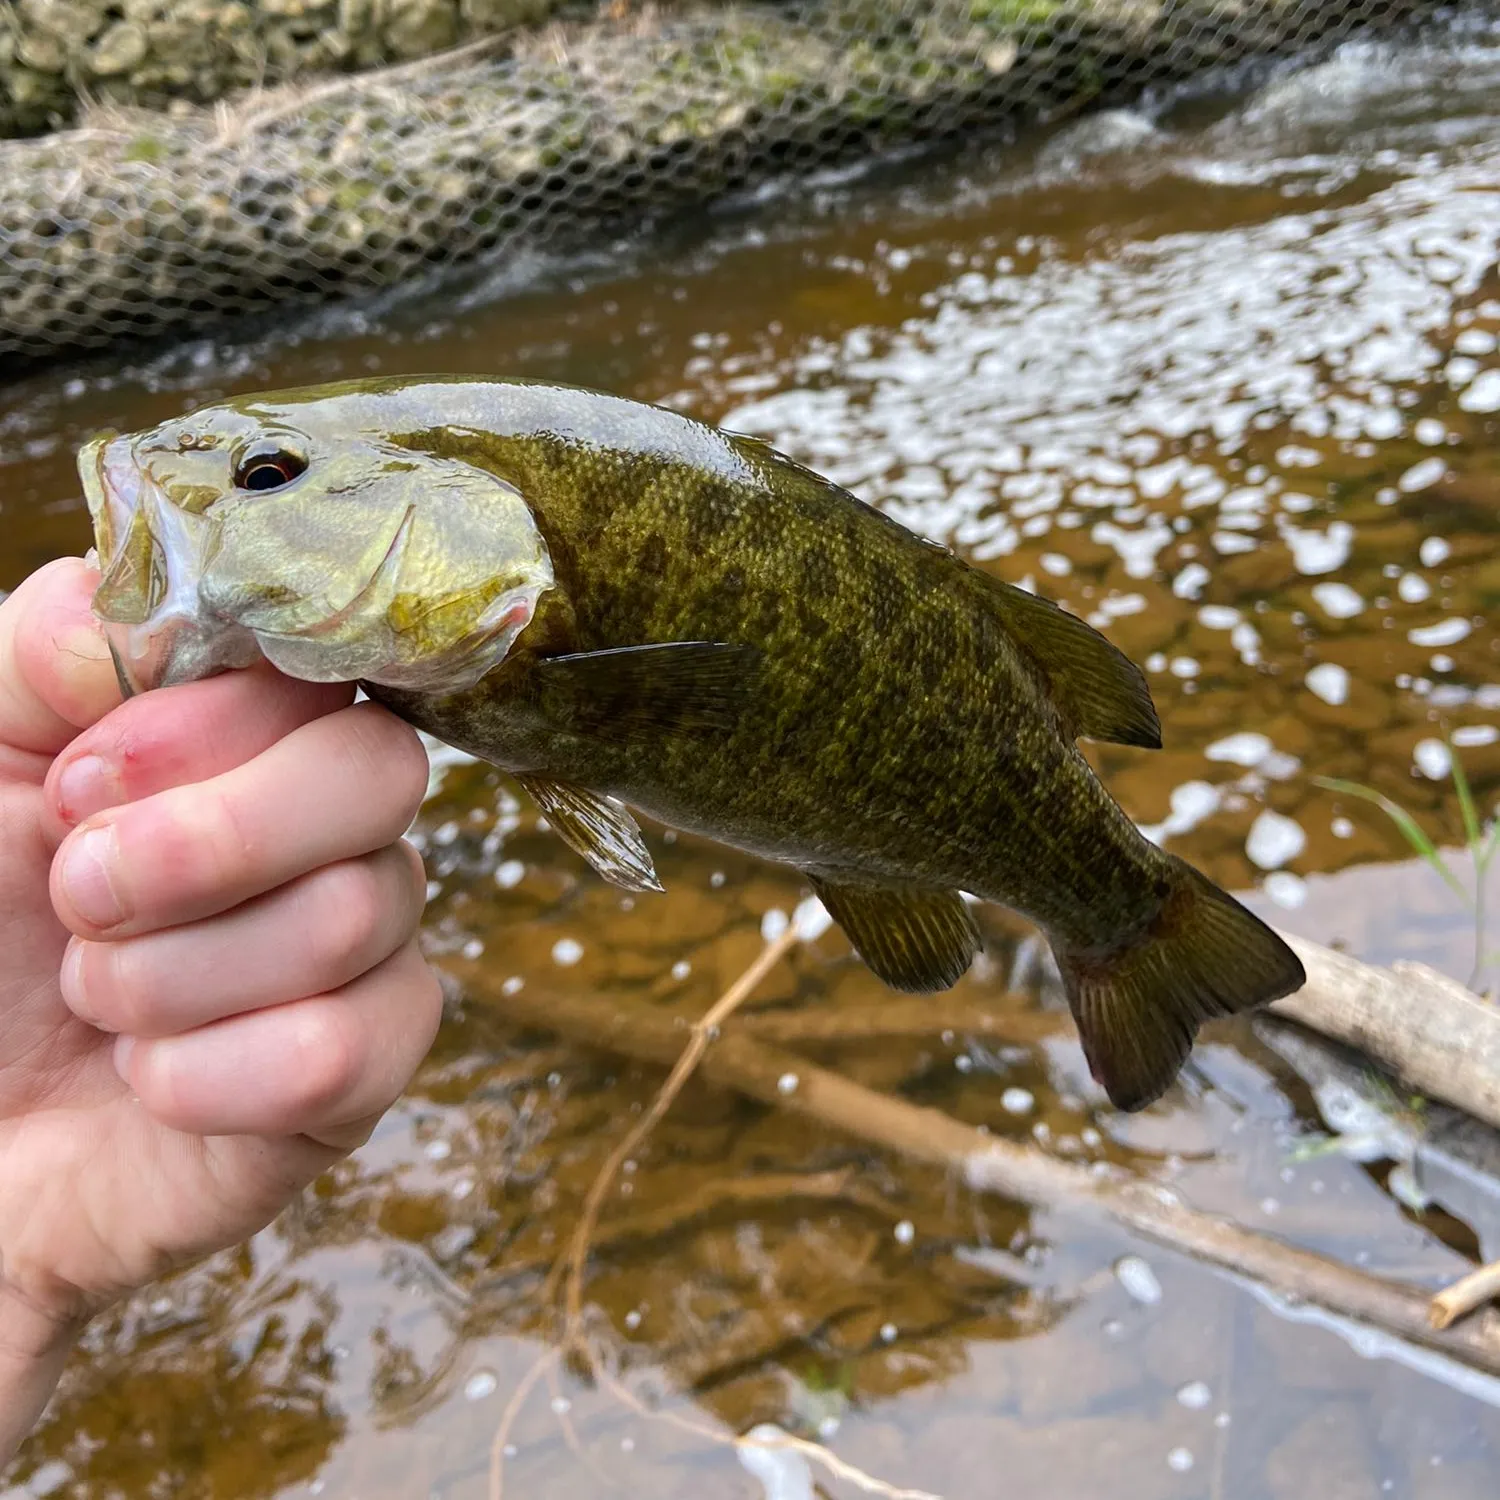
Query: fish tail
1138, 1007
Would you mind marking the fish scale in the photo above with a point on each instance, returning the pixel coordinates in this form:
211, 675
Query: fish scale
625, 607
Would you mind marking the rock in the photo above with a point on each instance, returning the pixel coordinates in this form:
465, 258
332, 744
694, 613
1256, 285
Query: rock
121, 48
43, 50
415, 28
486, 16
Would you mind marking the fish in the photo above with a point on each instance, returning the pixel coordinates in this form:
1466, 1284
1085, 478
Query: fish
634, 612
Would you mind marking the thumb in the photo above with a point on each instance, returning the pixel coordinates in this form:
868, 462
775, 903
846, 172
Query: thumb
56, 676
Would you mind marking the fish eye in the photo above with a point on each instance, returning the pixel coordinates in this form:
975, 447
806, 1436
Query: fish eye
268, 466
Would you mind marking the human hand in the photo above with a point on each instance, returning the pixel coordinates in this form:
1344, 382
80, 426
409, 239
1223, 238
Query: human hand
210, 987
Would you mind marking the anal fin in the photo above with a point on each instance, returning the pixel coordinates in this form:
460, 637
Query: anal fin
603, 832
914, 938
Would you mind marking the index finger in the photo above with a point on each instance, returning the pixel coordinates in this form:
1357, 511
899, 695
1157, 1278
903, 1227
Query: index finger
56, 676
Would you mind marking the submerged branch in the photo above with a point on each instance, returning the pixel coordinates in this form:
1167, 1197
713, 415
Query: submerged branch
783, 1079
929, 1016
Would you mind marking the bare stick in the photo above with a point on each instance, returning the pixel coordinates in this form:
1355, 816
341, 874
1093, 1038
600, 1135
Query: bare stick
990, 1165
1437, 1036
1460, 1299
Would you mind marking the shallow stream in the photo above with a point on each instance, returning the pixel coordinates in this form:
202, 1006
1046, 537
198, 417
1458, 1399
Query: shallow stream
1220, 374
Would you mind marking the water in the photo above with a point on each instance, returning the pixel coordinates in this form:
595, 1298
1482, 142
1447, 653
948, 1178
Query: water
1220, 375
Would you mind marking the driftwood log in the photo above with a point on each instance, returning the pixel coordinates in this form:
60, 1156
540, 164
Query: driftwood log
1436, 1036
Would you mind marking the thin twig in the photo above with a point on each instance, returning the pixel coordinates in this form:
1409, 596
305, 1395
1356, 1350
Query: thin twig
1460, 1299
508, 1420
815, 1452
704, 1031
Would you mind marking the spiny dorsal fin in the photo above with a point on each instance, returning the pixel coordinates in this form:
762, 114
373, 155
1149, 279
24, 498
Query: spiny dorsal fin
603, 832
631, 690
1101, 693
914, 939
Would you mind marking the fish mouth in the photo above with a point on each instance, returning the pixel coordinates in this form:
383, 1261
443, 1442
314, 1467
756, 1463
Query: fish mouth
150, 555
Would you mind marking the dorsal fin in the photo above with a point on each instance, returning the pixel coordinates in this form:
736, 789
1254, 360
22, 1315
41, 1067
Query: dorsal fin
1100, 692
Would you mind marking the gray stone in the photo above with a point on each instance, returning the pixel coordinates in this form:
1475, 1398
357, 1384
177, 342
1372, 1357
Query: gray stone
121, 48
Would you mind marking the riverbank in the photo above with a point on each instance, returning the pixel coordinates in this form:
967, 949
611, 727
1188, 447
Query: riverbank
138, 221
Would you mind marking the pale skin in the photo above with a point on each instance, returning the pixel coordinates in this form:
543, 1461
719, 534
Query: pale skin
210, 986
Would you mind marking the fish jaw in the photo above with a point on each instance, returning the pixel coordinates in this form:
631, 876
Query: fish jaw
150, 555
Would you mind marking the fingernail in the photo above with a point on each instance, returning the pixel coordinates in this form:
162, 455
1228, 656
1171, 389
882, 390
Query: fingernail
87, 785
124, 1046
85, 877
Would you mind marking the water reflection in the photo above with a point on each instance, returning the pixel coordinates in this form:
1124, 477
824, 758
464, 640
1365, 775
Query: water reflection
1218, 375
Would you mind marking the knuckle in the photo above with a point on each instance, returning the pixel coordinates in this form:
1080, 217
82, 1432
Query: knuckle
329, 1058
347, 918
187, 846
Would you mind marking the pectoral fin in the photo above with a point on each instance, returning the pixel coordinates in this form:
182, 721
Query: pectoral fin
914, 939
603, 832
636, 690
1102, 693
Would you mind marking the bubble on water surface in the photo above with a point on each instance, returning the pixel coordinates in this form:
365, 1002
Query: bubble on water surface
1017, 1101
1444, 633
1413, 588
1319, 551
1484, 394
480, 1384
1244, 749
509, 874
1422, 475
1138, 1280
1433, 758
1467, 735
1195, 1395
1330, 682
1337, 600
567, 952
1274, 840
1434, 550
1179, 1460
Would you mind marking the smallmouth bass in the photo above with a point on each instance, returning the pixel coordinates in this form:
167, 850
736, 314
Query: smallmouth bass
623, 607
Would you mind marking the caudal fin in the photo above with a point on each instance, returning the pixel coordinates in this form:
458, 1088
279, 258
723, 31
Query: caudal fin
1138, 1009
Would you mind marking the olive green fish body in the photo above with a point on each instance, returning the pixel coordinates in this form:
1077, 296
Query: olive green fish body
894, 728
726, 641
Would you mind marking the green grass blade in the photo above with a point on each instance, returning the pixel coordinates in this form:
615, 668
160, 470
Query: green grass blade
1472, 831
1408, 826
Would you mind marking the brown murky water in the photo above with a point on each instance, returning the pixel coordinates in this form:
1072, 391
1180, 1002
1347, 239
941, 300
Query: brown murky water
1224, 379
